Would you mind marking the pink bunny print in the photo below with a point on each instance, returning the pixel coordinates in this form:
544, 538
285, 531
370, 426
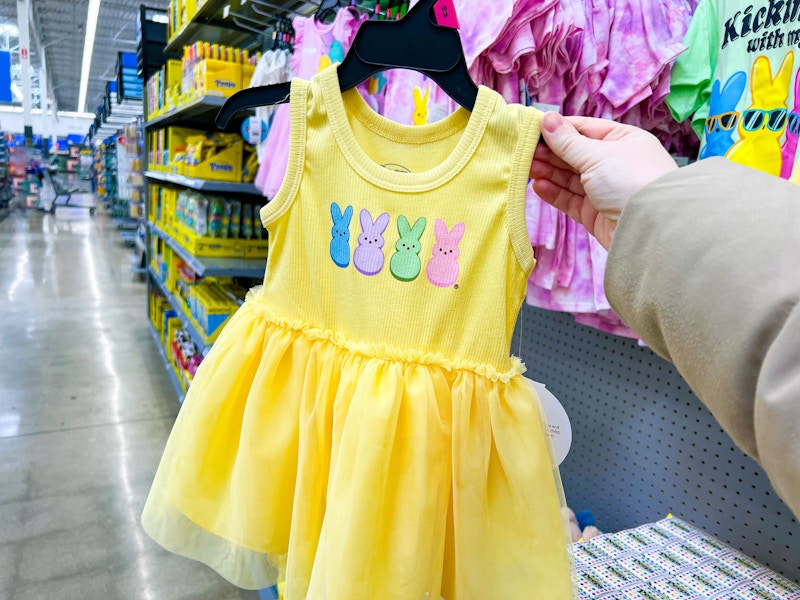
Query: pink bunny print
368, 257
789, 147
443, 266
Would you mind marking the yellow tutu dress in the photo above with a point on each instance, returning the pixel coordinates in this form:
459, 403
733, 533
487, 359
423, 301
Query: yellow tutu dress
359, 431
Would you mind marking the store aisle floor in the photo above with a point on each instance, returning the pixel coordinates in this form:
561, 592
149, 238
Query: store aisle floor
85, 411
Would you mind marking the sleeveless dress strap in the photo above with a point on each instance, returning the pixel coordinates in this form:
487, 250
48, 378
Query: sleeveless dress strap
282, 201
523, 155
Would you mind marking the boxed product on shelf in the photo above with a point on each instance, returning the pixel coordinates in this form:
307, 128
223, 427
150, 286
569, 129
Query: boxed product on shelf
179, 13
217, 77
164, 88
208, 225
198, 154
217, 226
168, 147
206, 69
209, 306
158, 307
216, 157
672, 559
207, 246
185, 357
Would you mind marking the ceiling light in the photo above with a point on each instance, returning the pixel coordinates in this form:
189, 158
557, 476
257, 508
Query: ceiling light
88, 47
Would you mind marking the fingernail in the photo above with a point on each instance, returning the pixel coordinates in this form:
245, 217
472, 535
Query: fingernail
551, 122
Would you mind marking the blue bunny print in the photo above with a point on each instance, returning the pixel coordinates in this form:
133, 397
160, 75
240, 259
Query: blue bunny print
722, 115
340, 235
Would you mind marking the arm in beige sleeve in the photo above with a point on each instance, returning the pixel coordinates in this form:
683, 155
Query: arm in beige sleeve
705, 267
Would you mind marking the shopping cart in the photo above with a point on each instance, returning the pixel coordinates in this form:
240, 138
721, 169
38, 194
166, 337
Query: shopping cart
61, 193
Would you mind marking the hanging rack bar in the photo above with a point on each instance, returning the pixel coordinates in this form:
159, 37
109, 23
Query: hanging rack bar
257, 3
237, 17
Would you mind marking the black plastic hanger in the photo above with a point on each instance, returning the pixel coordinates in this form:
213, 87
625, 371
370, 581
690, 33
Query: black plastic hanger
414, 42
326, 7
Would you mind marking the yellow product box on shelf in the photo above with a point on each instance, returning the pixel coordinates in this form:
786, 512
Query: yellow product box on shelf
172, 325
217, 77
256, 249
152, 97
180, 12
152, 204
207, 246
166, 146
172, 84
176, 166
211, 308
187, 9
247, 75
225, 165
169, 202
158, 304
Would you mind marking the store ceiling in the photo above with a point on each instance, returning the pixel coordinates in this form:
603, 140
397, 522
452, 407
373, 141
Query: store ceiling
60, 26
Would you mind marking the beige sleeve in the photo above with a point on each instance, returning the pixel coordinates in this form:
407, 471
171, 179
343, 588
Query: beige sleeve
705, 267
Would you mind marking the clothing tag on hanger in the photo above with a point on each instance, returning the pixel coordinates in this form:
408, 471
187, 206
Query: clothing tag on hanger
557, 421
253, 130
445, 14
546, 107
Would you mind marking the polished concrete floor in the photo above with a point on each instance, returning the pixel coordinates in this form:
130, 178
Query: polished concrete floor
85, 411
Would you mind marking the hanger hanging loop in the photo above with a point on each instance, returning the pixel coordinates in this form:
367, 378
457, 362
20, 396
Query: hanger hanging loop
415, 42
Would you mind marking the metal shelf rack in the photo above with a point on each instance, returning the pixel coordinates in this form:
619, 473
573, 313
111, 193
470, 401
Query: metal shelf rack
213, 267
202, 343
204, 185
199, 108
168, 365
216, 22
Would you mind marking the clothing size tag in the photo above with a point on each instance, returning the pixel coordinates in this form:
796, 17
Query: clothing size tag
445, 13
557, 421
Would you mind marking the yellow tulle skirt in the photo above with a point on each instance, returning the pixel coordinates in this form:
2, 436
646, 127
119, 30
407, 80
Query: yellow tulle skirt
348, 471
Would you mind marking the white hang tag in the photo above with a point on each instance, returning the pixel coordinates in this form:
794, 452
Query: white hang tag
544, 107
557, 421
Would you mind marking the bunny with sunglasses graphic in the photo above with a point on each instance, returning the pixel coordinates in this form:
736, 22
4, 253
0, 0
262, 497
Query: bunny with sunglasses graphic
723, 116
763, 122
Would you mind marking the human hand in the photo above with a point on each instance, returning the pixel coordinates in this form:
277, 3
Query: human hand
590, 168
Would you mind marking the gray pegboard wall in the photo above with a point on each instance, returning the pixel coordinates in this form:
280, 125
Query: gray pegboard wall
643, 444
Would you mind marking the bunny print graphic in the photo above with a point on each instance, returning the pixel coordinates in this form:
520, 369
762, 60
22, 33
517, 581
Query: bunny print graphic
421, 106
723, 116
789, 148
340, 235
763, 122
405, 264
368, 257
443, 266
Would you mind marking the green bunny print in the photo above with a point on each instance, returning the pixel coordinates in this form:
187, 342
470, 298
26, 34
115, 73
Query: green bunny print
405, 264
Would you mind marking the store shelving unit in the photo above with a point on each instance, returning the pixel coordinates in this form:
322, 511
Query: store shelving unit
200, 340
224, 22
204, 185
6, 193
176, 384
216, 21
209, 266
203, 108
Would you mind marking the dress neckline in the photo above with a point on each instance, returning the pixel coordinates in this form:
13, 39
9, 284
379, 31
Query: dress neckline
472, 125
